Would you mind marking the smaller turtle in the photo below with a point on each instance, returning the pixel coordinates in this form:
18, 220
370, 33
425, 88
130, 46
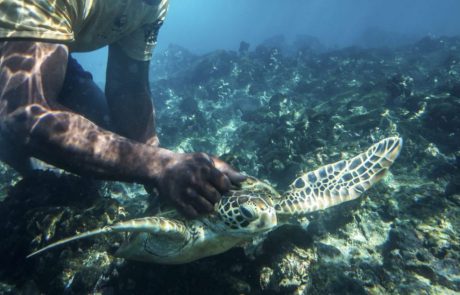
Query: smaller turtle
249, 212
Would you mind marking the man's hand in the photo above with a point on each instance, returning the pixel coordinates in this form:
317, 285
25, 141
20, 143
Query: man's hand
195, 182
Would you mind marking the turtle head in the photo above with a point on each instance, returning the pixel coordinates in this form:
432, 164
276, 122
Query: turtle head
246, 214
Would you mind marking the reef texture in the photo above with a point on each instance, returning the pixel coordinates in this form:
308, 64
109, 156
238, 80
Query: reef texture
273, 114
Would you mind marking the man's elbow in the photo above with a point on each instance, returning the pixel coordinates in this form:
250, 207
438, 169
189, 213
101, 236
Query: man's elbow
18, 124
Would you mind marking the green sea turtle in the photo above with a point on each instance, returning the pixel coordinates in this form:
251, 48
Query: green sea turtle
249, 212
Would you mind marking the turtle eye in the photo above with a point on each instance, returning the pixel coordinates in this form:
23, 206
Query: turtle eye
246, 213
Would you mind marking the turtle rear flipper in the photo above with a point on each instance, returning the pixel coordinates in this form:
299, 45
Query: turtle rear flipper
339, 182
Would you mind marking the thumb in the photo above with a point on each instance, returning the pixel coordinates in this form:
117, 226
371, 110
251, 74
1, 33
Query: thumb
235, 177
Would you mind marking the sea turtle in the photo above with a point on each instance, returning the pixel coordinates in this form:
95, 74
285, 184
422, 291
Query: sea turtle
249, 212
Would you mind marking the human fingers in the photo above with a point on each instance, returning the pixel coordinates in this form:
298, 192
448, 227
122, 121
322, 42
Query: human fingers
199, 203
219, 180
236, 178
233, 175
186, 209
209, 192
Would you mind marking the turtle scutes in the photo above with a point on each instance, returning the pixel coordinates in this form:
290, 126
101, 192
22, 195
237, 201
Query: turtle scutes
244, 214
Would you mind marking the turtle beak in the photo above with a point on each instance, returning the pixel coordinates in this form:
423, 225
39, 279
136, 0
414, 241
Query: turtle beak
267, 220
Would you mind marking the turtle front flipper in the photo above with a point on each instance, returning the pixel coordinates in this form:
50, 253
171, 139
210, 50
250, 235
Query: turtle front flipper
339, 182
163, 244
139, 225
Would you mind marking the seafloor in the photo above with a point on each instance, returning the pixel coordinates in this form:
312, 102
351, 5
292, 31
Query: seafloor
273, 113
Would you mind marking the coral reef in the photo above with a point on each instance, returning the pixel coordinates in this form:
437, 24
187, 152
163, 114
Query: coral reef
272, 114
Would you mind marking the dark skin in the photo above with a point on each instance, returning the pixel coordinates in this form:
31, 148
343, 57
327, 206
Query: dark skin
35, 124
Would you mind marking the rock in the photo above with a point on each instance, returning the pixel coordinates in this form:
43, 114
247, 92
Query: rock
244, 47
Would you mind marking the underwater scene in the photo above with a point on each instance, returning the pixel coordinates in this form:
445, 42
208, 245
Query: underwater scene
316, 128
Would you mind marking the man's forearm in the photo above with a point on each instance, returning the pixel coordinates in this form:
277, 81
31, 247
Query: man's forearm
74, 143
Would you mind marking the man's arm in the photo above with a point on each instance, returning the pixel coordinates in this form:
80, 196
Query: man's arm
31, 75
